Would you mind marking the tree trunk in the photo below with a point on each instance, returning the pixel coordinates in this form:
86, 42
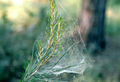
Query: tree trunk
91, 26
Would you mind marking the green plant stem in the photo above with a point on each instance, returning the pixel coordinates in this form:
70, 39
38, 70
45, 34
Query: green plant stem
49, 45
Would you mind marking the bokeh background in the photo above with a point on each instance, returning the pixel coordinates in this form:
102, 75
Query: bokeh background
23, 21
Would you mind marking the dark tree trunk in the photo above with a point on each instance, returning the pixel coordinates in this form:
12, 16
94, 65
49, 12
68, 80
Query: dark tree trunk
91, 26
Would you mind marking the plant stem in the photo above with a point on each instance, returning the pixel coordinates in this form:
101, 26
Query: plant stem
49, 43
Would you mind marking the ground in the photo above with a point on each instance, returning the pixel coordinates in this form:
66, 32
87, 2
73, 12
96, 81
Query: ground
106, 66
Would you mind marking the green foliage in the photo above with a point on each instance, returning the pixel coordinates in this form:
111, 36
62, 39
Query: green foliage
15, 47
12, 50
113, 2
113, 18
50, 49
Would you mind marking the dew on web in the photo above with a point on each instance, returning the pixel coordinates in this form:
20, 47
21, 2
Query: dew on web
69, 62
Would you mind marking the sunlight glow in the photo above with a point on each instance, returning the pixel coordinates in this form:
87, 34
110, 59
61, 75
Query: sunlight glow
17, 2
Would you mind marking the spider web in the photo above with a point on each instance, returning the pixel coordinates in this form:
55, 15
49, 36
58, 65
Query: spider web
65, 66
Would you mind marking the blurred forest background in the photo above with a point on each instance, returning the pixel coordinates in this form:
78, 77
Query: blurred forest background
23, 21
